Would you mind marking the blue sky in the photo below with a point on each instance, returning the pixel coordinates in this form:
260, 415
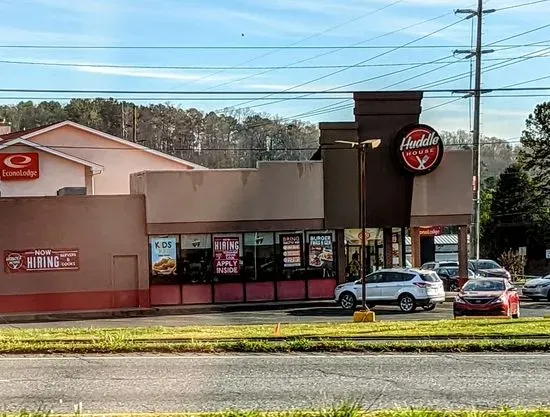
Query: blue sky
275, 23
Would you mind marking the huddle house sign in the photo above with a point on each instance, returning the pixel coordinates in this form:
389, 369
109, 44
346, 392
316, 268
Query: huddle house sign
419, 149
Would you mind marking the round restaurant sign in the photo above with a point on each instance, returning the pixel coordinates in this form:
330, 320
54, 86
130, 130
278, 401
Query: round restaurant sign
419, 149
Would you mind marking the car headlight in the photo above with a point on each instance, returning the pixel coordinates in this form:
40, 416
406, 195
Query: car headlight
546, 284
459, 300
499, 300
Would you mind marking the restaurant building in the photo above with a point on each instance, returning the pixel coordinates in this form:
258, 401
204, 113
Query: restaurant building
280, 231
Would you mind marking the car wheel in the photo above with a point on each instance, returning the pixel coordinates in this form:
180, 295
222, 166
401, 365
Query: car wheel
429, 307
516, 315
407, 303
348, 301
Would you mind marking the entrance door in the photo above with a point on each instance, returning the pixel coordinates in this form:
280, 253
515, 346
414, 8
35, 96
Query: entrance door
125, 281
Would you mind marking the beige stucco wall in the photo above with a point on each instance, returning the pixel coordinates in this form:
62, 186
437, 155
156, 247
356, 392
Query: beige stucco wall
118, 160
55, 173
100, 227
273, 191
447, 191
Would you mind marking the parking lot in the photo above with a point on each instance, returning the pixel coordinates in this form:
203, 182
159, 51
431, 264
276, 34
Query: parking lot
307, 314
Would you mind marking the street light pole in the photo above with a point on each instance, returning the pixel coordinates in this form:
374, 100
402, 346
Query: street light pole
362, 148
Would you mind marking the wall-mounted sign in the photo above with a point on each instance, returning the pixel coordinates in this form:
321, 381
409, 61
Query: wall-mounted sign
430, 231
163, 255
320, 250
226, 256
19, 166
419, 149
292, 250
41, 260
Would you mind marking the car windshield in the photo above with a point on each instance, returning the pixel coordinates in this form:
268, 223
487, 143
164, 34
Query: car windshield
429, 277
484, 285
487, 265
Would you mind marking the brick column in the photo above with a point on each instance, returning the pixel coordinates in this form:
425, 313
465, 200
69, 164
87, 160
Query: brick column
415, 247
462, 255
388, 247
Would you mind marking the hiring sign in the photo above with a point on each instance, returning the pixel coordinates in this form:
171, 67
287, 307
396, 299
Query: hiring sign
19, 166
40, 260
226, 256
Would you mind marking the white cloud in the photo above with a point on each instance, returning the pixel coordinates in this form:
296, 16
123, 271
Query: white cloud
158, 74
10, 35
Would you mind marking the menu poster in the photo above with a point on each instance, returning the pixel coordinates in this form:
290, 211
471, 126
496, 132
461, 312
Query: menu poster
163, 255
292, 250
320, 250
226, 256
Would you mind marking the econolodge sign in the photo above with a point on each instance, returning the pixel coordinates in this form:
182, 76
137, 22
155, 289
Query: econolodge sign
419, 149
19, 166
40, 260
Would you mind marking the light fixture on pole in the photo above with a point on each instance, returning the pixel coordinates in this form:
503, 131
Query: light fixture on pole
362, 148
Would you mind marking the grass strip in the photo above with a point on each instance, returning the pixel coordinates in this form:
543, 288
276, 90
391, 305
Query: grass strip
341, 411
113, 346
383, 329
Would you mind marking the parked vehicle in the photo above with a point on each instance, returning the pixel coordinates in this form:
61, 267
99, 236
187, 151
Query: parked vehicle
487, 297
405, 287
538, 288
449, 275
440, 264
488, 268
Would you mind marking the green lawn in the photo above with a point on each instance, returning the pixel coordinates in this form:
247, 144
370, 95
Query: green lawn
443, 328
343, 411
493, 335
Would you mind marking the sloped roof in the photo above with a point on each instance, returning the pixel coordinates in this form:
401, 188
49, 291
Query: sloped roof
30, 133
19, 141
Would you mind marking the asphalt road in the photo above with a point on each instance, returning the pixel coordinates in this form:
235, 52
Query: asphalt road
269, 382
329, 313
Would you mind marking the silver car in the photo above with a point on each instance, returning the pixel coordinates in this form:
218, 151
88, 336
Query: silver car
538, 288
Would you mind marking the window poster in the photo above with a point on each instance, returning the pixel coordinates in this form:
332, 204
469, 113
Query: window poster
164, 255
320, 250
292, 250
226, 256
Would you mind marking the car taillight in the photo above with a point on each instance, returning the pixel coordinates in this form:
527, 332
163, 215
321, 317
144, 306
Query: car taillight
421, 284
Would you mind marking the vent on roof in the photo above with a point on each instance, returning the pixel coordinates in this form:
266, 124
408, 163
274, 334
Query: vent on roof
71, 191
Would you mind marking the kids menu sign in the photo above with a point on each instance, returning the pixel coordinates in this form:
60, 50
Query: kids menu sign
226, 256
292, 250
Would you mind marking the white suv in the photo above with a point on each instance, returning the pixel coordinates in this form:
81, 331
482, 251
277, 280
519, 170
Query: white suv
408, 288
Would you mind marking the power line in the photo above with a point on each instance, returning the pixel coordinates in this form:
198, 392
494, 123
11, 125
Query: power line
361, 62
300, 41
234, 68
253, 47
515, 6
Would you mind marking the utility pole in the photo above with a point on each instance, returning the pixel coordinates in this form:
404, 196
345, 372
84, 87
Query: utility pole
123, 122
134, 130
476, 182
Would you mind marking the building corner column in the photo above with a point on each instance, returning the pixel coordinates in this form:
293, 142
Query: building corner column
341, 251
462, 255
416, 258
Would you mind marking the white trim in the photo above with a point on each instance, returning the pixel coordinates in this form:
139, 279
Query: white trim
95, 168
110, 137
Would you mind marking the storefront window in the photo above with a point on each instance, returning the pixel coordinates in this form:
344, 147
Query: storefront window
195, 263
259, 257
227, 257
290, 254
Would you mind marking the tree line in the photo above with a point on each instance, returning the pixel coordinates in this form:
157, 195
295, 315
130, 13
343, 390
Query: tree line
515, 200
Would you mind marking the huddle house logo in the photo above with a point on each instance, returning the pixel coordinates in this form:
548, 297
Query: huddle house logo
19, 166
419, 149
